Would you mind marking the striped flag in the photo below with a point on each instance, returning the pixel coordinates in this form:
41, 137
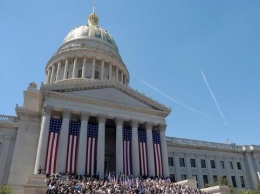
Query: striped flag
91, 149
52, 146
142, 152
157, 153
127, 151
72, 146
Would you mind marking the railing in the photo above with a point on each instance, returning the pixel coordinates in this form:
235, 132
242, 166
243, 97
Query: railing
10, 119
203, 143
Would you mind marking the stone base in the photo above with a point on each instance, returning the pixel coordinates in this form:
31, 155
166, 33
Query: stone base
35, 185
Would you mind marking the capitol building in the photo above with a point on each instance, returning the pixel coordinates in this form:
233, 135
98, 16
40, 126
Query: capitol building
85, 119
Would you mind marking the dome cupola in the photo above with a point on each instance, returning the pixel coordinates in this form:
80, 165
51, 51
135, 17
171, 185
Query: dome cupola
88, 52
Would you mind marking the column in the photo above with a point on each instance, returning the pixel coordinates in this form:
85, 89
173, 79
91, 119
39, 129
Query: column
164, 150
101, 146
63, 141
48, 76
74, 71
52, 73
116, 73
65, 69
84, 68
43, 138
102, 69
83, 133
110, 70
149, 137
58, 71
135, 150
93, 68
122, 77
119, 145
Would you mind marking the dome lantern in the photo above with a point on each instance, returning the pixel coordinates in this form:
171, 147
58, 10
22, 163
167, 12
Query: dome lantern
92, 18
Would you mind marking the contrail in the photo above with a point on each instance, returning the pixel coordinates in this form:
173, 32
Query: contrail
213, 97
174, 100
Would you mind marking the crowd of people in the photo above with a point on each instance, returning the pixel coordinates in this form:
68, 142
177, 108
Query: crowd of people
72, 184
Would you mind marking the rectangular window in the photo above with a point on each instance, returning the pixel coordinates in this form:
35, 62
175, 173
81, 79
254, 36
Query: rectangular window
233, 178
238, 165
242, 181
182, 162
170, 161
230, 164
79, 73
192, 163
67, 76
222, 165
183, 177
212, 164
203, 163
205, 180
172, 178
96, 74
215, 178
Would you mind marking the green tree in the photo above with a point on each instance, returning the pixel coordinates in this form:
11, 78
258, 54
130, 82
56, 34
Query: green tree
4, 189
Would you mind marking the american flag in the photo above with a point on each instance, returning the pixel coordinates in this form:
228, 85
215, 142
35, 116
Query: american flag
72, 146
127, 151
91, 149
52, 146
157, 153
142, 151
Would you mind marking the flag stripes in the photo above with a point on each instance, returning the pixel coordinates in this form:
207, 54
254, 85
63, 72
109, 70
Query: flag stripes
142, 152
72, 146
91, 155
52, 146
127, 159
157, 153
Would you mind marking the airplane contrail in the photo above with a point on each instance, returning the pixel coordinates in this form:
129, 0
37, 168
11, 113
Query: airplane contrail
174, 100
213, 97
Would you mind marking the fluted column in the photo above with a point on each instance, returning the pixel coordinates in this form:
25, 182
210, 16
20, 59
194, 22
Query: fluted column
81, 162
135, 150
65, 69
119, 145
58, 71
74, 71
93, 68
84, 68
48, 76
101, 145
102, 69
52, 73
63, 141
110, 70
149, 135
164, 150
43, 138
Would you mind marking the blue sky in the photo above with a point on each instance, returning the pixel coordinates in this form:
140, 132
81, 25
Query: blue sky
201, 58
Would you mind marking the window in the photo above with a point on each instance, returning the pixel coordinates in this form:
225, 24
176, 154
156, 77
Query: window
222, 166
170, 161
96, 74
205, 180
242, 181
67, 76
215, 178
233, 178
192, 163
230, 164
182, 162
238, 166
172, 178
79, 73
203, 163
183, 177
212, 164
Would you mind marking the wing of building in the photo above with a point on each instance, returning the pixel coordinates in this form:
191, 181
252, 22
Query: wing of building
85, 119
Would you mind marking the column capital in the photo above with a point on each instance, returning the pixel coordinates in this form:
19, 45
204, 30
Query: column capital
162, 127
47, 110
149, 126
134, 123
101, 118
66, 113
119, 121
84, 116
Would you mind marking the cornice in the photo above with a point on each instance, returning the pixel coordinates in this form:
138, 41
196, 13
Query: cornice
24, 112
79, 84
9, 125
